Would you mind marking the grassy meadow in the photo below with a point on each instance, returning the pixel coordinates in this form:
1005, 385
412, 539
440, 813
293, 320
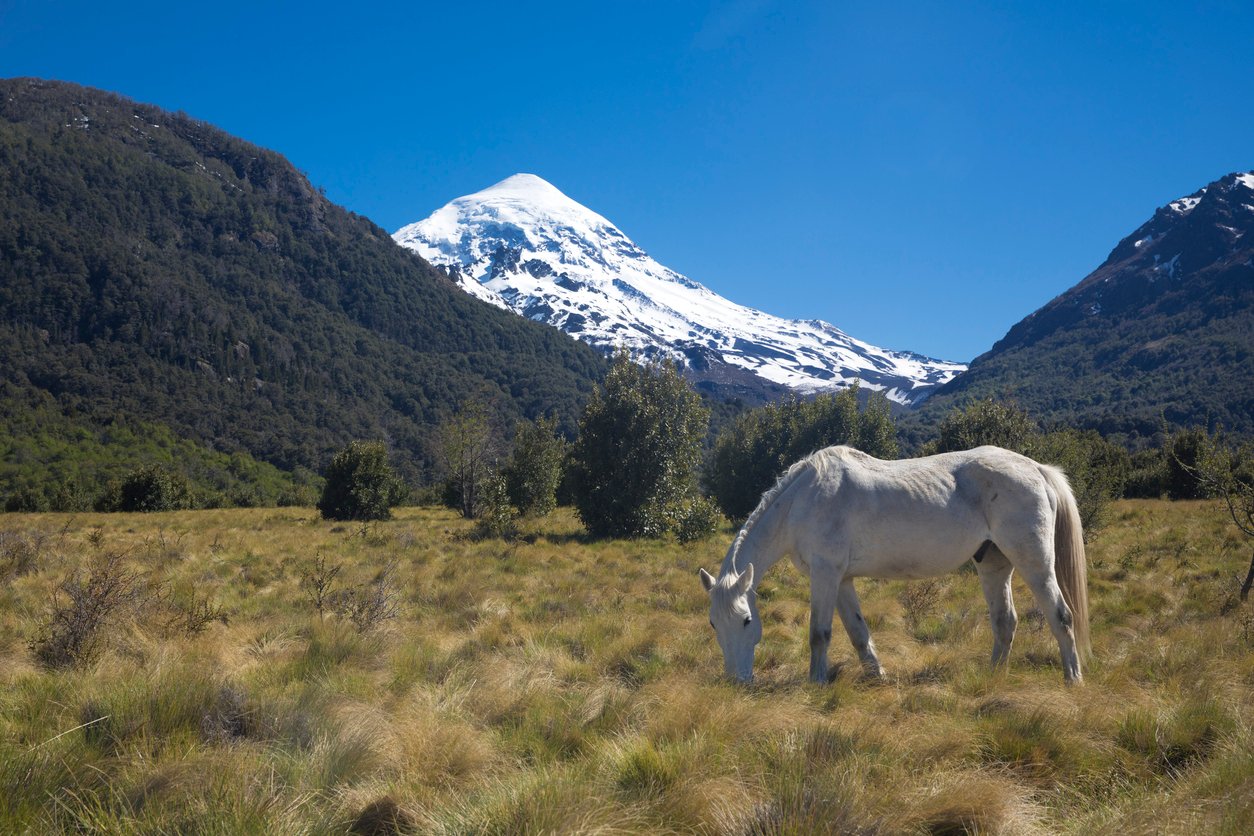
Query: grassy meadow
555, 685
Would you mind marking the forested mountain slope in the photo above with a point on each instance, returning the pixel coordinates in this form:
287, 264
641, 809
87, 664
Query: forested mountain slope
1162, 331
154, 269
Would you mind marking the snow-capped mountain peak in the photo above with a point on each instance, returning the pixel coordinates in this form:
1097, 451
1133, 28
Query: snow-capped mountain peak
523, 245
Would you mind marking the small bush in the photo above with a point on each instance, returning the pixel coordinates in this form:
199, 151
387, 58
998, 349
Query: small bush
193, 614
148, 488
317, 581
368, 606
20, 553
83, 606
535, 468
494, 513
696, 519
360, 485
919, 600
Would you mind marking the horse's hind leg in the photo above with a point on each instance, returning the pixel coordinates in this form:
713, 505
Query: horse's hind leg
855, 625
1040, 579
995, 572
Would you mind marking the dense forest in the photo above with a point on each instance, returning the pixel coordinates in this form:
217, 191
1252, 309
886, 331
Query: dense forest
155, 271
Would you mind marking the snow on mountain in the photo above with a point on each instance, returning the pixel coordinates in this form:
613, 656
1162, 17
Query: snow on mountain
526, 247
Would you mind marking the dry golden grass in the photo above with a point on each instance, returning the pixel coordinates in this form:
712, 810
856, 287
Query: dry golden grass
554, 684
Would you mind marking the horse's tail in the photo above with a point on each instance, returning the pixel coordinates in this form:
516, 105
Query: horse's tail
1070, 564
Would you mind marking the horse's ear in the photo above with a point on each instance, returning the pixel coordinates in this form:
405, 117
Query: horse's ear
745, 582
707, 580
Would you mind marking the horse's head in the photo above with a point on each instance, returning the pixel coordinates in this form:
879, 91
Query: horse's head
734, 617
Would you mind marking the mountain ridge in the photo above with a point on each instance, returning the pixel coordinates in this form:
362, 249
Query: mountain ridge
1160, 334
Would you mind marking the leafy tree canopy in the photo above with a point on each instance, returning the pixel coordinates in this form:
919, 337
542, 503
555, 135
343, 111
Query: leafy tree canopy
360, 484
634, 465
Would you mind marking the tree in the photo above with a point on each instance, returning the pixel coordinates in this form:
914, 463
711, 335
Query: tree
1229, 474
469, 450
984, 422
634, 466
147, 488
1183, 456
877, 434
360, 484
762, 443
535, 467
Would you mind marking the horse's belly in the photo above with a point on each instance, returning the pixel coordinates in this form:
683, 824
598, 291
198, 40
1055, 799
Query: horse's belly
912, 551
906, 567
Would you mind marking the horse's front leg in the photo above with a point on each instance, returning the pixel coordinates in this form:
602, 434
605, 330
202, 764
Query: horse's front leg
823, 594
855, 625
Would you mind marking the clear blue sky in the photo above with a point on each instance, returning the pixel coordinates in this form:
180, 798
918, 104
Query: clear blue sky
922, 175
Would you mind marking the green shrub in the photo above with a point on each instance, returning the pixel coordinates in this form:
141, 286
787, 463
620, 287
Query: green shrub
696, 519
984, 422
535, 468
360, 484
1147, 475
1097, 469
635, 461
495, 516
26, 500
1182, 457
147, 488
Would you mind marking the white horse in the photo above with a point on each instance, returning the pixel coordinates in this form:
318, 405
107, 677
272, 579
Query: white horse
842, 514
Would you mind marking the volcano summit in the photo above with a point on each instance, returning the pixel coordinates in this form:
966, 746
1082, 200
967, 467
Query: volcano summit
527, 247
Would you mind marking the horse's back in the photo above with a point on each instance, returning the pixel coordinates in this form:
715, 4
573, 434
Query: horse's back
917, 517
929, 478
886, 517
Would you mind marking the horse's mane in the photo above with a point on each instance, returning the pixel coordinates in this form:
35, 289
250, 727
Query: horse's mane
814, 460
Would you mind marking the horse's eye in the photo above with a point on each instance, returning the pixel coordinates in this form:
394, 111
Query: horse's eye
748, 620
